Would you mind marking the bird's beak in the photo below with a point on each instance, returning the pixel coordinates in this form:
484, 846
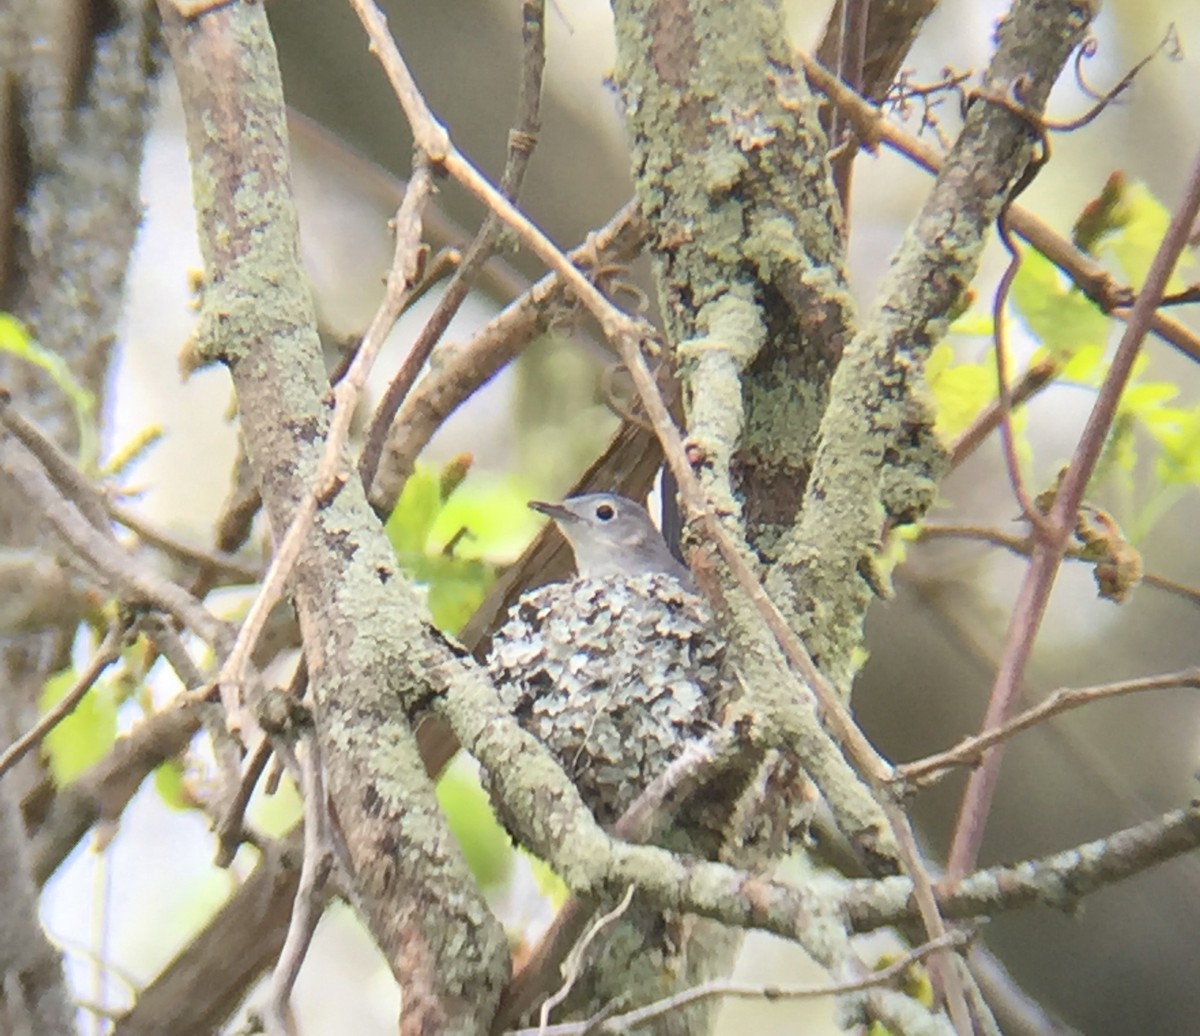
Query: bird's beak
555, 511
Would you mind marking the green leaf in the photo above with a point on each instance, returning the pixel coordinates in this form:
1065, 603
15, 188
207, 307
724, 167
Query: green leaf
1062, 318
1086, 367
484, 843
170, 785
961, 390
1178, 436
975, 323
496, 513
457, 588
84, 736
411, 521
275, 815
15, 339
1134, 246
1145, 399
548, 883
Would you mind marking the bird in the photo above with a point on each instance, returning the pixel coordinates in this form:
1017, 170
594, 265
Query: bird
612, 535
615, 670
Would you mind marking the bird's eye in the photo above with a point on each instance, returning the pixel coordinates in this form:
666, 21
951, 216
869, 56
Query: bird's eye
605, 512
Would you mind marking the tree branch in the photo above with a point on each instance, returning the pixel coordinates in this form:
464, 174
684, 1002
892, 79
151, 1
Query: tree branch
1034, 594
824, 577
365, 637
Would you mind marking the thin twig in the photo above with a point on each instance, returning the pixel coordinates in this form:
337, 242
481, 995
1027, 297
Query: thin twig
621, 1023
229, 828
970, 750
218, 562
67, 478
648, 814
574, 960
169, 644
329, 477
1061, 879
461, 370
310, 896
105, 655
1008, 446
521, 141
134, 581
1088, 275
1023, 545
1034, 595
433, 139
1036, 378
851, 57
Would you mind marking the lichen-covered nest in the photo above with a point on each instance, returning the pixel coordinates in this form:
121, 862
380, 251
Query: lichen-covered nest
614, 676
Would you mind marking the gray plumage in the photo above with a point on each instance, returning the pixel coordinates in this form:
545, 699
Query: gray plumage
612, 536
615, 671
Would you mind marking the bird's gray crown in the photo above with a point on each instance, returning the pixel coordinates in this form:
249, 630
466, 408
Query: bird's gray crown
612, 536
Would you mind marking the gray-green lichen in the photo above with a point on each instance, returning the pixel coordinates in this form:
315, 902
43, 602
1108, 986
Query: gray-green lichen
877, 456
729, 165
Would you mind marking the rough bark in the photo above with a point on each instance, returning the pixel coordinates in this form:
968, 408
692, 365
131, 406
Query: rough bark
74, 93
367, 643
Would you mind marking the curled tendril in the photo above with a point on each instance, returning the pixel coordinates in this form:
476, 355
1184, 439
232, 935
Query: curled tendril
1169, 45
1087, 50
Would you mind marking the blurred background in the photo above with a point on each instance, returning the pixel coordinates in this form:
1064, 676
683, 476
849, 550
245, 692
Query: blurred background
1126, 962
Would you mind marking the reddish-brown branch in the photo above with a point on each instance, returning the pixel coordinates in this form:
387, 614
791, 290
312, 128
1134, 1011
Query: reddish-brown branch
1034, 594
1087, 274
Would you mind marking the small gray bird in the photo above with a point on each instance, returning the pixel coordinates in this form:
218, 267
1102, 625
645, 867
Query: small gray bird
616, 673
613, 536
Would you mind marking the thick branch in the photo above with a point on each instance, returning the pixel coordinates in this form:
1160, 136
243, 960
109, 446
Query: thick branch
877, 455
729, 166
365, 640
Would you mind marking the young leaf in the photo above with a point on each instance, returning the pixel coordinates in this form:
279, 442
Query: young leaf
1062, 318
488, 850
83, 737
15, 339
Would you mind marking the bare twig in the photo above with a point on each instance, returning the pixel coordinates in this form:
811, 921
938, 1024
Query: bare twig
851, 57
970, 750
199, 990
1036, 378
463, 369
1005, 399
310, 895
521, 141
218, 562
329, 477
621, 1023
103, 792
134, 581
229, 828
1060, 880
1023, 545
1088, 275
63, 473
649, 813
575, 958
